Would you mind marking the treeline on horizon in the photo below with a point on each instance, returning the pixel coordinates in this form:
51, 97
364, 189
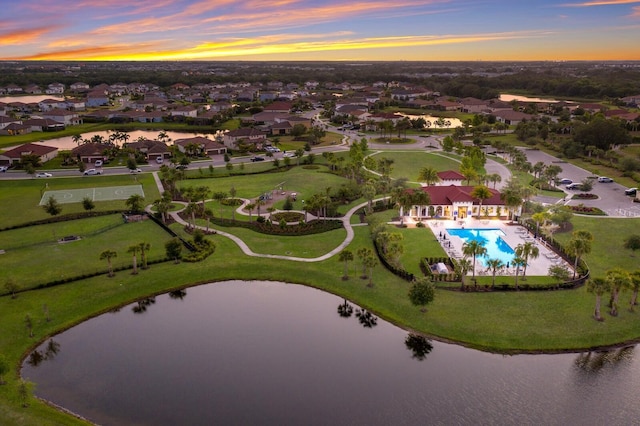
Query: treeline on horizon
579, 80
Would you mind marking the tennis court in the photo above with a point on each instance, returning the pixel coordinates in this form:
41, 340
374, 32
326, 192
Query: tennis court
107, 193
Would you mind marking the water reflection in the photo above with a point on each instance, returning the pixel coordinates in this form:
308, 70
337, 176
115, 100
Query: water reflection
141, 305
178, 294
345, 310
366, 318
419, 346
595, 362
50, 351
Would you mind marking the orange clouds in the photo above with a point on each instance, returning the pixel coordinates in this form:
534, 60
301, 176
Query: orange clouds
23, 36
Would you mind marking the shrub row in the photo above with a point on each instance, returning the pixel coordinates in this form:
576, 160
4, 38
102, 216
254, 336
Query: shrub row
267, 227
203, 250
399, 272
63, 218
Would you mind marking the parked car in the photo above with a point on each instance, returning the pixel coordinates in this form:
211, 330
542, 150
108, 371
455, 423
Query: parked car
256, 158
43, 175
3, 169
605, 179
91, 172
565, 181
574, 186
159, 160
98, 163
631, 191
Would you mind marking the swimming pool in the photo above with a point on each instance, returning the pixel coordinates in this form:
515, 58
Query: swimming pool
490, 238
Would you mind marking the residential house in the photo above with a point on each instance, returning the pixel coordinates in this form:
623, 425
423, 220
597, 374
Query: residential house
151, 149
79, 87
5, 120
15, 129
90, 152
246, 135
68, 118
204, 145
473, 105
184, 111
43, 125
55, 89
51, 104
13, 156
511, 117
97, 98
279, 106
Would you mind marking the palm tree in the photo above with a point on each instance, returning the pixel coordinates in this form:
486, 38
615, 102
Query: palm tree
462, 268
579, 245
108, 255
144, 248
618, 280
526, 251
518, 262
598, 286
473, 248
635, 287
134, 251
494, 265
219, 196
345, 256
482, 193
370, 262
494, 178
250, 207
428, 175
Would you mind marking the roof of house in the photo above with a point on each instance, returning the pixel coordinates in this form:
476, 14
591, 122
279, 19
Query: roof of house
447, 195
244, 132
206, 143
29, 148
90, 149
450, 175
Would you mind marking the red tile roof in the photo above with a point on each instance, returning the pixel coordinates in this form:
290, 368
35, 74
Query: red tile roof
447, 195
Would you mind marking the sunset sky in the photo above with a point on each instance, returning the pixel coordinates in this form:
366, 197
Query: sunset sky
345, 30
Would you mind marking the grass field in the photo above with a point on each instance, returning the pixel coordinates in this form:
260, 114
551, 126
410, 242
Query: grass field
408, 163
524, 321
19, 199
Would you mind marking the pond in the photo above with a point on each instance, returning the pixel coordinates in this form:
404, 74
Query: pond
273, 353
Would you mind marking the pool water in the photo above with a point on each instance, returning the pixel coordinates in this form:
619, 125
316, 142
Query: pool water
491, 239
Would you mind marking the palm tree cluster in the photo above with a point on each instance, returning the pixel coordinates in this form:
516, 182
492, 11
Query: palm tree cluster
615, 281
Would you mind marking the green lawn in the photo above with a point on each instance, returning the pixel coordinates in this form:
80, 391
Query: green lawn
500, 321
33, 255
19, 199
408, 163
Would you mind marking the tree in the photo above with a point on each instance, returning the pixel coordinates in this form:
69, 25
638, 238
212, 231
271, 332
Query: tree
11, 287
518, 262
52, 207
473, 248
422, 292
108, 255
134, 203
370, 262
580, 244
526, 251
632, 242
618, 280
494, 265
163, 205
634, 285
598, 286
28, 322
362, 254
481, 193
462, 269
428, 175
144, 248
494, 178
250, 207
345, 256
299, 153
368, 192
173, 248
134, 252
560, 273
88, 204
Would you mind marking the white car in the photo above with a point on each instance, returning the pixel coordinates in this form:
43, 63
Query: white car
136, 170
92, 172
3, 168
43, 175
605, 179
288, 155
98, 163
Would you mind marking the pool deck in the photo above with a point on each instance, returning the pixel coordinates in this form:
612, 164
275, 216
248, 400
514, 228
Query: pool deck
514, 235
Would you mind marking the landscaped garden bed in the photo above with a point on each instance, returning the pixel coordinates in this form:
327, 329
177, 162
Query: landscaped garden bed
580, 209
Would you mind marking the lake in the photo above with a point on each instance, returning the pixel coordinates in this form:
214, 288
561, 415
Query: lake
239, 353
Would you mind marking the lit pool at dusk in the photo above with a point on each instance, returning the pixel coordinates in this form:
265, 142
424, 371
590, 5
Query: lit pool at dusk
490, 238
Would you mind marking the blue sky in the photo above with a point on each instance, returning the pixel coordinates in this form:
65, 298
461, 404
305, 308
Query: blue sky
432, 30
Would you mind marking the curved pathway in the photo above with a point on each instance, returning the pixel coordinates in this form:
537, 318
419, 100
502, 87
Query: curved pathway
346, 220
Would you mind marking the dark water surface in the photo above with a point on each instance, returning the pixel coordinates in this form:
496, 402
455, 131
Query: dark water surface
252, 353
